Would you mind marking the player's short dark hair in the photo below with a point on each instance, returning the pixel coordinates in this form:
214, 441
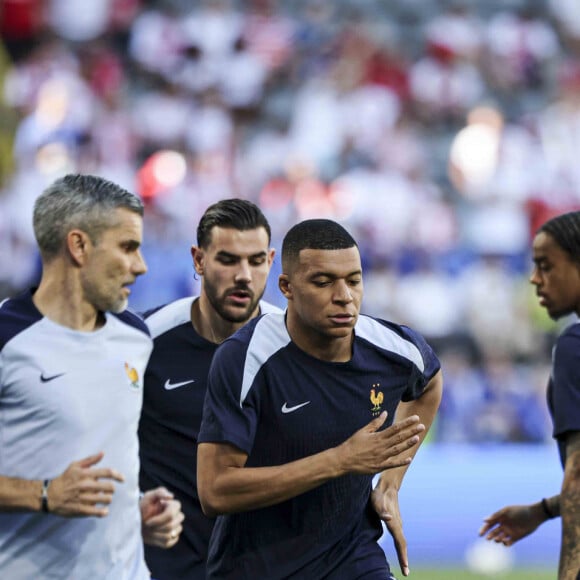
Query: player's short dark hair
314, 234
78, 201
565, 229
237, 214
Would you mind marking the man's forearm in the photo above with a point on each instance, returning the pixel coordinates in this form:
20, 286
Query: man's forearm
426, 408
226, 485
570, 513
570, 552
20, 494
237, 489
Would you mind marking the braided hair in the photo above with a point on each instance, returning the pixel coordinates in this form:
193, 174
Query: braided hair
565, 229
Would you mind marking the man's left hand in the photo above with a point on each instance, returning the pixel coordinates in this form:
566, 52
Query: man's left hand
161, 518
386, 504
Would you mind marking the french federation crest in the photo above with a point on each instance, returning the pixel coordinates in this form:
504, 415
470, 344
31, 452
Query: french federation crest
132, 375
376, 399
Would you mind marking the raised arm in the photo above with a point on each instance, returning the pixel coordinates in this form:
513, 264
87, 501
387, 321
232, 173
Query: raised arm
226, 486
81, 490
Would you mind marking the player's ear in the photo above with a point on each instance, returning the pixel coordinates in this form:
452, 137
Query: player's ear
198, 259
285, 286
77, 244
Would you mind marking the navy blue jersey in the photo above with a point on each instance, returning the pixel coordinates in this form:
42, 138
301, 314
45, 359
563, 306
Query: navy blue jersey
278, 404
564, 386
175, 386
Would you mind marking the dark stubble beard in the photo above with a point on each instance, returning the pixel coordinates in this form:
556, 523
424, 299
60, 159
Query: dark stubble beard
217, 302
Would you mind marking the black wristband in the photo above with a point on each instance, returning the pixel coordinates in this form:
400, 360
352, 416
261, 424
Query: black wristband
44, 496
546, 509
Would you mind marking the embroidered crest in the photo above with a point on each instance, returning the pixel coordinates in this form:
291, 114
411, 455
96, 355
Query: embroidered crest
376, 399
132, 375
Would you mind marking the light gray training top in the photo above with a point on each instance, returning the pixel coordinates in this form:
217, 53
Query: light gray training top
65, 395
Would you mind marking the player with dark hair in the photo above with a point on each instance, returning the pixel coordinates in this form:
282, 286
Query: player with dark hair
72, 362
298, 418
236, 214
556, 276
233, 257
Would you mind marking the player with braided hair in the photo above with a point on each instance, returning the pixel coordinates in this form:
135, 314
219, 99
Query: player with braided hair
556, 276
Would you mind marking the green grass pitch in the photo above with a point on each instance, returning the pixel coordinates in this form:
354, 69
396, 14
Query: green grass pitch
459, 574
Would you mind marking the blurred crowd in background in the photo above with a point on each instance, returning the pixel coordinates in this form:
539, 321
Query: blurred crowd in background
441, 133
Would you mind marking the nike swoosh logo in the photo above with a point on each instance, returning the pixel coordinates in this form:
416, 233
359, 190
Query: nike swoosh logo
169, 386
50, 378
286, 409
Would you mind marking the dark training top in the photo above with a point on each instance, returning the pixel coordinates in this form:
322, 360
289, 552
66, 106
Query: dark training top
175, 385
278, 404
564, 386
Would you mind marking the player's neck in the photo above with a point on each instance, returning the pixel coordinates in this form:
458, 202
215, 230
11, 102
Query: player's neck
209, 324
59, 298
329, 349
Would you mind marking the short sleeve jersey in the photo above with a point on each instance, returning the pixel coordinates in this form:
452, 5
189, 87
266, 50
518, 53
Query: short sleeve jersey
279, 404
564, 386
65, 395
175, 387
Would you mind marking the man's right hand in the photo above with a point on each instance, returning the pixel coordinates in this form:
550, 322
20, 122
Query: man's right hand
371, 451
83, 490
